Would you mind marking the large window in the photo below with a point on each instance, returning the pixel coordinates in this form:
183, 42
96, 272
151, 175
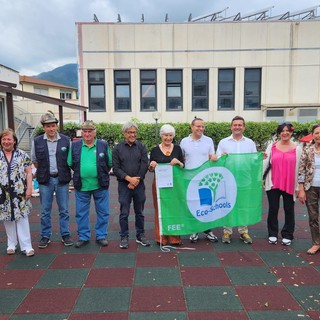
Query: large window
174, 90
226, 89
97, 98
122, 90
42, 91
65, 95
148, 84
252, 89
200, 100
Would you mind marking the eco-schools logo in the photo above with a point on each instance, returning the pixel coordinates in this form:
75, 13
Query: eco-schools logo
212, 194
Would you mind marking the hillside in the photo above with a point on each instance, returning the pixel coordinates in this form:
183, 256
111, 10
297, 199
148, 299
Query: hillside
67, 75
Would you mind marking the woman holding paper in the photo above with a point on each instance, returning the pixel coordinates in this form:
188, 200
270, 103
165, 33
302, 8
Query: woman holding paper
165, 152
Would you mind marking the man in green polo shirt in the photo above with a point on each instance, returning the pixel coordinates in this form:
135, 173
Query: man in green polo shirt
91, 161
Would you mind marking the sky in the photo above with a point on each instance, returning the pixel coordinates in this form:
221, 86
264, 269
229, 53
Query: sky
40, 35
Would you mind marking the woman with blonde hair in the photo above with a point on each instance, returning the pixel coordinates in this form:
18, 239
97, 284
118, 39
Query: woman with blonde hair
15, 193
165, 152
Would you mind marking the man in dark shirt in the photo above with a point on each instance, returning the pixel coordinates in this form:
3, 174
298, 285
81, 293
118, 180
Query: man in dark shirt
130, 164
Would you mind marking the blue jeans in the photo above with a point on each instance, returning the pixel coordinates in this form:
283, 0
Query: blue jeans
101, 202
46, 199
138, 196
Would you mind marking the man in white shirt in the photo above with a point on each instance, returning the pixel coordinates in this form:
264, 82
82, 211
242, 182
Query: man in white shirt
197, 149
236, 143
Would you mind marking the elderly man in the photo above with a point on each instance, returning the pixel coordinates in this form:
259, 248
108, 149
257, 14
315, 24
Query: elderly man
130, 165
49, 153
91, 161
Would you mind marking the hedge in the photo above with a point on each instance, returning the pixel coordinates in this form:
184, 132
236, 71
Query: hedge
260, 132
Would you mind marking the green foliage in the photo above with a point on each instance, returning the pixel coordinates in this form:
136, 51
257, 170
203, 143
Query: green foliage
260, 132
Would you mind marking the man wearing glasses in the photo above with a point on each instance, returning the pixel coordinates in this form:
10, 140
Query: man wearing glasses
130, 165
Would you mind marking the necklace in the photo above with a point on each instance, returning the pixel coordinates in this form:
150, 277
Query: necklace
316, 150
166, 150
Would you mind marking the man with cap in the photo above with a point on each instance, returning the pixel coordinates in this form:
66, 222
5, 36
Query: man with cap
91, 161
49, 154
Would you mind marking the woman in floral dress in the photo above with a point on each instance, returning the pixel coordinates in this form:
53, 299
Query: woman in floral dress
15, 193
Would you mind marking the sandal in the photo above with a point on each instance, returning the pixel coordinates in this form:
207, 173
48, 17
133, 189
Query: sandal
286, 242
314, 249
29, 253
11, 251
272, 240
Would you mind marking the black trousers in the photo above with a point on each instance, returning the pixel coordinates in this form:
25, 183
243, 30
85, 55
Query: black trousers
288, 206
138, 196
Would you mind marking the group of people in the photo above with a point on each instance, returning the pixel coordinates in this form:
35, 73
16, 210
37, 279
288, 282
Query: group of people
288, 172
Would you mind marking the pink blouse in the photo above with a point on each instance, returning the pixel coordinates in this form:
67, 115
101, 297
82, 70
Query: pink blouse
283, 169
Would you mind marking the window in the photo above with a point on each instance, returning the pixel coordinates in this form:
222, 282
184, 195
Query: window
252, 89
226, 89
200, 99
275, 115
122, 90
307, 115
64, 95
174, 90
42, 91
97, 98
148, 84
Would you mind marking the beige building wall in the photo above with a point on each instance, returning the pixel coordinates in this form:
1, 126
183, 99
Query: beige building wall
31, 110
288, 53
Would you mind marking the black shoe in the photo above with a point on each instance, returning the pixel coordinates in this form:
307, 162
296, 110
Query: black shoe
66, 240
124, 243
43, 242
142, 240
102, 242
81, 243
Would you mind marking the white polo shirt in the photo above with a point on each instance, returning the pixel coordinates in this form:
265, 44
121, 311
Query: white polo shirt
230, 145
196, 152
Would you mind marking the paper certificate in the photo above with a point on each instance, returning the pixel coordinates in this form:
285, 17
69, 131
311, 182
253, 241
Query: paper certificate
164, 176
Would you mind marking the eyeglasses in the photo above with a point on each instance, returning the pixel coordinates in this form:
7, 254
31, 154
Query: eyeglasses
134, 133
288, 123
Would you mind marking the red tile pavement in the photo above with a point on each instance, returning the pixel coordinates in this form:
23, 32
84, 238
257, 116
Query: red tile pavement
218, 315
72, 261
297, 276
19, 279
156, 259
47, 300
110, 277
204, 276
99, 316
157, 299
266, 298
243, 258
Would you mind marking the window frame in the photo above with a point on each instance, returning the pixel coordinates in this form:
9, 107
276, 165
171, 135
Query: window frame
174, 84
144, 81
232, 95
199, 98
96, 104
258, 94
125, 84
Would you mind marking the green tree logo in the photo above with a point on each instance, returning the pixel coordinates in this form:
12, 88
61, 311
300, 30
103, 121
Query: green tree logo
211, 181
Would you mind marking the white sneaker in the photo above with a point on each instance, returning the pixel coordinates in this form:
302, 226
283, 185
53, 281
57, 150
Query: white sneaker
273, 240
210, 236
286, 242
194, 237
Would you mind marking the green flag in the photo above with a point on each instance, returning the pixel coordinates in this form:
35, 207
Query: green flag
227, 192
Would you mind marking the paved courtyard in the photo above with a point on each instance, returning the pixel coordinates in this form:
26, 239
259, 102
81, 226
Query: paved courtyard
197, 281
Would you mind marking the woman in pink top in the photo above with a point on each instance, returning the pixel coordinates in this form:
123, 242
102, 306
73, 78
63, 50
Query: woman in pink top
281, 180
